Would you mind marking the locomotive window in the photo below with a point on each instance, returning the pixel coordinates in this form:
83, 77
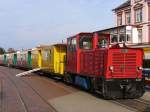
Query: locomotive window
102, 43
114, 38
85, 42
69, 44
73, 45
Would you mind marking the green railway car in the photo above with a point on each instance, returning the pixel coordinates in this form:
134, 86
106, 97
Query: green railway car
5, 59
15, 59
23, 59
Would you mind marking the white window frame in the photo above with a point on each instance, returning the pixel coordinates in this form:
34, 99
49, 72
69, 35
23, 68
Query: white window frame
128, 17
138, 15
140, 35
119, 20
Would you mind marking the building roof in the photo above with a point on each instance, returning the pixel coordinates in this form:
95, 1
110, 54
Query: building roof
125, 4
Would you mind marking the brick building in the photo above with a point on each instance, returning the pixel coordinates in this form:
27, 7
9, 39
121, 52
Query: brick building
135, 13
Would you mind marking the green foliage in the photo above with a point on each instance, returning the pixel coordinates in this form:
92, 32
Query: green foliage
2, 50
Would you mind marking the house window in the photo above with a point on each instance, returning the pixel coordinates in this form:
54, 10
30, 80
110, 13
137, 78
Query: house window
149, 12
119, 19
128, 36
122, 38
128, 17
140, 35
138, 15
149, 34
114, 38
138, 0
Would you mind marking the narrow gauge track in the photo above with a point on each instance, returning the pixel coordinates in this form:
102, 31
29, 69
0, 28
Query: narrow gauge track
138, 105
27, 83
1, 95
11, 78
54, 82
17, 92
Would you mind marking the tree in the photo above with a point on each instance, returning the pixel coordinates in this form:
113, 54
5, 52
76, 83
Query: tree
11, 50
2, 50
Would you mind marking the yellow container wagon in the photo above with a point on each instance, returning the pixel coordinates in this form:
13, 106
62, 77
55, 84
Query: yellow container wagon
52, 58
40, 57
58, 58
44, 57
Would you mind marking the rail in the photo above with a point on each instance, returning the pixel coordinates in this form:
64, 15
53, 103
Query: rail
138, 105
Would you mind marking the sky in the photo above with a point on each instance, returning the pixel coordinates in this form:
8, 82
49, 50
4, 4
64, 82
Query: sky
25, 24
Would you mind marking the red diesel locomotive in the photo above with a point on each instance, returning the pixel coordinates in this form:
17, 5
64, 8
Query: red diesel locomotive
111, 70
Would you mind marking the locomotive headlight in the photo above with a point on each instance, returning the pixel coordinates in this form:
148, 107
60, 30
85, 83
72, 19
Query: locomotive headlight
111, 68
140, 68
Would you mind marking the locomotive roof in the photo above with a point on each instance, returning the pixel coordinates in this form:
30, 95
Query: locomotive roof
82, 33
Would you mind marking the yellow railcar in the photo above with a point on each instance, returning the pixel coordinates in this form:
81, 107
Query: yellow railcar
58, 58
44, 57
52, 58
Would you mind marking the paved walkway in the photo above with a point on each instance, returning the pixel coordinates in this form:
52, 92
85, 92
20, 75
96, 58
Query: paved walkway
84, 102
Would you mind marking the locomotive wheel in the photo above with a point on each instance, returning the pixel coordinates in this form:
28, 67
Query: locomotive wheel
136, 90
92, 88
111, 90
105, 91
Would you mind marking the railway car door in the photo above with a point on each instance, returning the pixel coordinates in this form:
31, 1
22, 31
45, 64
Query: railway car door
15, 59
75, 47
5, 59
102, 44
29, 59
86, 55
72, 54
39, 58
